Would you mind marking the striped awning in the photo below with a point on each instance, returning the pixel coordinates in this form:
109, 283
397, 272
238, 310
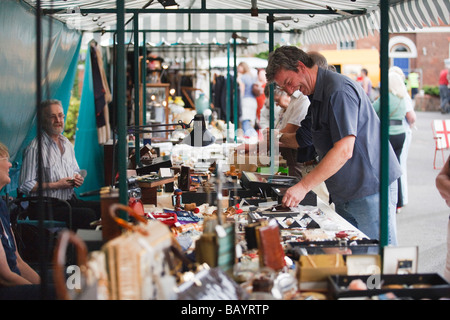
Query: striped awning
403, 16
207, 28
213, 21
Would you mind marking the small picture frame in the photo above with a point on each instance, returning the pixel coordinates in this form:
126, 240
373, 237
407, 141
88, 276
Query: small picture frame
404, 266
400, 260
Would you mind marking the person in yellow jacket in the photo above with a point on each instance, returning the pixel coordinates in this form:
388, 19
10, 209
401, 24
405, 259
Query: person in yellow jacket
413, 83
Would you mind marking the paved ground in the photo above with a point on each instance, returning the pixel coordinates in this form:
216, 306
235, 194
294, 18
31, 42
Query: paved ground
423, 221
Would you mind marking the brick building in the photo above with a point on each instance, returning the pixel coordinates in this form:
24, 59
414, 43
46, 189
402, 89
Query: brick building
423, 50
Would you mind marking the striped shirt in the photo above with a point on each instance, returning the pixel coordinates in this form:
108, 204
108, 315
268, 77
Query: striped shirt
56, 165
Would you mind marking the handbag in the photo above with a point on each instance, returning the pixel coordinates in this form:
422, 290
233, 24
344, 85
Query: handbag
137, 260
88, 281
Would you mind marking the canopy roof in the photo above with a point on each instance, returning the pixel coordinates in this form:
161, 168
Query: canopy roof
213, 21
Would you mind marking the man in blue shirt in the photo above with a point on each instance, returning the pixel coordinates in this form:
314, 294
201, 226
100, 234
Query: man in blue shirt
346, 136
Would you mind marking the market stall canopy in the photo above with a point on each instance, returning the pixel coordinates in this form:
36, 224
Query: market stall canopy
295, 21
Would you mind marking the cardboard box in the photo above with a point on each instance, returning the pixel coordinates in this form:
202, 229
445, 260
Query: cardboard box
363, 264
317, 268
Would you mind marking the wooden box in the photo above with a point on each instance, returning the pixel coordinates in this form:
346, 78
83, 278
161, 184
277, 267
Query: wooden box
317, 268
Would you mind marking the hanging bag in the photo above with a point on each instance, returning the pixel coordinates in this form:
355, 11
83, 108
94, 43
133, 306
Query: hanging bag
88, 281
137, 260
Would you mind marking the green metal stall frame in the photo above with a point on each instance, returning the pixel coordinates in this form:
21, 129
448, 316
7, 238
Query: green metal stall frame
120, 78
120, 93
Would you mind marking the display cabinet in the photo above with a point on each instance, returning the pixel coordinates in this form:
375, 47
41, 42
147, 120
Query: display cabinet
156, 109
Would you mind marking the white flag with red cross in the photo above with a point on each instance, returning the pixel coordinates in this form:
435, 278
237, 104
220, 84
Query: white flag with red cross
442, 132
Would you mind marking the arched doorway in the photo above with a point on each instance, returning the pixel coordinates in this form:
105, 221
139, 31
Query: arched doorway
401, 51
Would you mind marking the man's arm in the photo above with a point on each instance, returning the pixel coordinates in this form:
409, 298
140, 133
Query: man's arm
289, 140
443, 182
366, 83
64, 183
289, 128
28, 175
28, 171
333, 161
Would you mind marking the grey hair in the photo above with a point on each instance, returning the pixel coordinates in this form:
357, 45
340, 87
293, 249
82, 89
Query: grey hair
286, 57
277, 91
47, 103
319, 59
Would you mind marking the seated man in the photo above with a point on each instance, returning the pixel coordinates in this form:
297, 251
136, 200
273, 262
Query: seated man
60, 171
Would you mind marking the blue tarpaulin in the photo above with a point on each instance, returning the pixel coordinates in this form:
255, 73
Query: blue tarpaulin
88, 151
60, 49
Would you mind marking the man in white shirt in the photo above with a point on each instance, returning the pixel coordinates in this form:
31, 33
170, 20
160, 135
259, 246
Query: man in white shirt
294, 109
60, 170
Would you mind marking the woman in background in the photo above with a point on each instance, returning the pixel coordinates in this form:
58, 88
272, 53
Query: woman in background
408, 122
397, 112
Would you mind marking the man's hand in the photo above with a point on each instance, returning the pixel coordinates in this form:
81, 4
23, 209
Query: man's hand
78, 180
64, 183
333, 161
289, 140
294, 195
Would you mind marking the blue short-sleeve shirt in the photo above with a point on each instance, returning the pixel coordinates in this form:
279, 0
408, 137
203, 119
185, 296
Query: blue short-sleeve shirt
340, 108
7, 238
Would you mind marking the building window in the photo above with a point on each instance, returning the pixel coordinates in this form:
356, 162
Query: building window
401, 48
346, 45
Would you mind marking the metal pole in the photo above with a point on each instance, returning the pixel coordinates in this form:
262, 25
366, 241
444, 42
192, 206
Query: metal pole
209, 75
144, 79
384, 117
228, 91
137, 114
121, 106
215, 11
270, 20
42, 242
236, 92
